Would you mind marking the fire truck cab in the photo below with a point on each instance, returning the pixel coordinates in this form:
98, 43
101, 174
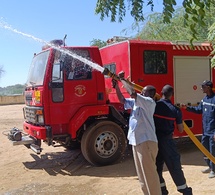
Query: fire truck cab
67, 105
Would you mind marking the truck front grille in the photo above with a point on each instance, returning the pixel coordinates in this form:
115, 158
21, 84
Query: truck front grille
31, 114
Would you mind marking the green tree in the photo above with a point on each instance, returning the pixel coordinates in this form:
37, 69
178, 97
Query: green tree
11, 90
155, 29
195, 11
98, 42
211, 38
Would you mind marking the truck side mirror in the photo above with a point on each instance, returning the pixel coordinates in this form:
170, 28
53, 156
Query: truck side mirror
57, 75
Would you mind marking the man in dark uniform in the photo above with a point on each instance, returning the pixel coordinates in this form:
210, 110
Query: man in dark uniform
166, 114
207, 109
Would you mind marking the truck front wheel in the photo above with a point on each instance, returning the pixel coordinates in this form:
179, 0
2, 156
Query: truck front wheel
103, 143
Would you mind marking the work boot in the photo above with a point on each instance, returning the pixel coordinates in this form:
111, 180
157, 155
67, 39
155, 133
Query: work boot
186, 191
208, 170
164, 190
211, 174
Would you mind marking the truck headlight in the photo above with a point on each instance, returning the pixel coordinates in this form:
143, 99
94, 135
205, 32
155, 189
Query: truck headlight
40, 119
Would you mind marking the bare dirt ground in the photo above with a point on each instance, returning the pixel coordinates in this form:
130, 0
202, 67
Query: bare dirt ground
58, 171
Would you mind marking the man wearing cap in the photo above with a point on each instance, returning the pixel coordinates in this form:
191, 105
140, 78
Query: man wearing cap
166, 114
207, 109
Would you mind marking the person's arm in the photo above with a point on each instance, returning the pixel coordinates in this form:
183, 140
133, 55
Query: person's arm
194, 109
118, 92
127, 86
180, 127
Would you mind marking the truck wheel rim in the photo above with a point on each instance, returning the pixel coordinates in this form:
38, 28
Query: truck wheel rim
106, 144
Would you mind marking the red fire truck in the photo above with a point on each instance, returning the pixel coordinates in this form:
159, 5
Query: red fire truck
69, 102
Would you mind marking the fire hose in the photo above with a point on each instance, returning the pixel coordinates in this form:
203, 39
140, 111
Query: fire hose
139, 88
197, 143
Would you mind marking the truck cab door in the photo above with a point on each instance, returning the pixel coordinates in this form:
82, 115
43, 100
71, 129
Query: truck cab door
75, 85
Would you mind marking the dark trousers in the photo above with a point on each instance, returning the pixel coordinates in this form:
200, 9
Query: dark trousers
209, 143
168, 154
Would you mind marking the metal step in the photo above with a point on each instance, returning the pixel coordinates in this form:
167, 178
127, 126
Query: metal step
25, 140
36, 148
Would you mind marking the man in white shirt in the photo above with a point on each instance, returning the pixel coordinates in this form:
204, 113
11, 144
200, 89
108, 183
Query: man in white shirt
142, 137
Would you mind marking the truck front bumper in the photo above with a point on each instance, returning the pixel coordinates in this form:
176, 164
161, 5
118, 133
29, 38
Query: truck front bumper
37, 132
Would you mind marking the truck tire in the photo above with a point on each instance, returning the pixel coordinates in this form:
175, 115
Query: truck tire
103, 143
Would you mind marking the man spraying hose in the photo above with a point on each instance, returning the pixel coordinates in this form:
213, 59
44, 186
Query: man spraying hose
141, 135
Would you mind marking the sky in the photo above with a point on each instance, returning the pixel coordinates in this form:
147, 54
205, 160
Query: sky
48, 20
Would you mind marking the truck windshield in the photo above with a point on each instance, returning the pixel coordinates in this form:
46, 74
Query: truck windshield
37, 69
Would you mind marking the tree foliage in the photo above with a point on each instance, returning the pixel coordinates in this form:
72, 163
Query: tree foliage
155, 29
194, 15
211, 38
98, 42
117, 8
12, 90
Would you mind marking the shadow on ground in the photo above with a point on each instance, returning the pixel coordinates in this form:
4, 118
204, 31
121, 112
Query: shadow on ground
72, 162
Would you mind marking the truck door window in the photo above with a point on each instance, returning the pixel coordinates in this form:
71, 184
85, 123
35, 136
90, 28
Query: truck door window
75, 68
155, 62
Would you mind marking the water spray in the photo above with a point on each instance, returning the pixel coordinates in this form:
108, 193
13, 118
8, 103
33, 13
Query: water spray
58, 47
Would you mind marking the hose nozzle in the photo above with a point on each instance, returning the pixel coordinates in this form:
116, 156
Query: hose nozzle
121, 78
110, 74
